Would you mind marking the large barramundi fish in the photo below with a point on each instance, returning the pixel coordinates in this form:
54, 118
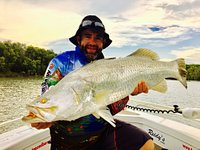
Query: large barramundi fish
90, 89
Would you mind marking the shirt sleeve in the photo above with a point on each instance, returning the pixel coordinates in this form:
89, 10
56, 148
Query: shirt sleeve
118, 106
52, 76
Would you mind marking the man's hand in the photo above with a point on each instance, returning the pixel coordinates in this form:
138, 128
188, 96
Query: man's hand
41, 125
141, 88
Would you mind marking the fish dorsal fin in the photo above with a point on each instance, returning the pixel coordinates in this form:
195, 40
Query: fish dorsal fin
143, 52
104, 113
109, 58
161, 87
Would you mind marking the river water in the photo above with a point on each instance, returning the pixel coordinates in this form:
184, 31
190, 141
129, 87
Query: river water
176, 95
16, 92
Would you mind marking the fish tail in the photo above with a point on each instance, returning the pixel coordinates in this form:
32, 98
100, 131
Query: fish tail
182, 71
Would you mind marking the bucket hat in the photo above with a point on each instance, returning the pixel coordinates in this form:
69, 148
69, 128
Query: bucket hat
91, 21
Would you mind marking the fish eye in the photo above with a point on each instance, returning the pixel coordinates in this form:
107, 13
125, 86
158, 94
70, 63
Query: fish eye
43, 100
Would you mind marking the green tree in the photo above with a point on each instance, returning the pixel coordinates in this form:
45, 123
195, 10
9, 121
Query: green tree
2, 64
40, 58
22, 59
193, 72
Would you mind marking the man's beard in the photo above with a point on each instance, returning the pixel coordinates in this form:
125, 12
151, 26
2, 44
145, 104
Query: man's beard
90, 56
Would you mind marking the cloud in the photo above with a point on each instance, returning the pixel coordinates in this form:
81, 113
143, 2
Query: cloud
83, 6
130, 24
183, 7
60, 45
183, 12
34, 24
191, 54
146, 34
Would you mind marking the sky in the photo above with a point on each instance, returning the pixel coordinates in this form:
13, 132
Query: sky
171, 28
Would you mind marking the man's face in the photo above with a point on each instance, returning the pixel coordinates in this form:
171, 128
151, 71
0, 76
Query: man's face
91, 43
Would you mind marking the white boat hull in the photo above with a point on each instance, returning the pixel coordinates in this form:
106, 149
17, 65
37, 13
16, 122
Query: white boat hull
167, 134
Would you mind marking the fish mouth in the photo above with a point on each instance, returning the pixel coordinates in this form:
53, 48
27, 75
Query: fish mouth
36, 114
33, 118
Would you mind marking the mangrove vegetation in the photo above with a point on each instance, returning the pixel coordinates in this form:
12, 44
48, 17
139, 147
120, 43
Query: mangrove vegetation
17, 59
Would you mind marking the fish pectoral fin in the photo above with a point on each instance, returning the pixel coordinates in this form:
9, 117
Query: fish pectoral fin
143, 52
161, 87
106, 115
101, 95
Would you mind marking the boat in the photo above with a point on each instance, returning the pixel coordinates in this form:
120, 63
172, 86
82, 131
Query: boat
167, 134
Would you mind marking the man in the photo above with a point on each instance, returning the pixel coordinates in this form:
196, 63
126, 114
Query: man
90, 133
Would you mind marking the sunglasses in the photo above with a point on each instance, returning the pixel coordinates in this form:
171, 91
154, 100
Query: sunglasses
89, 23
